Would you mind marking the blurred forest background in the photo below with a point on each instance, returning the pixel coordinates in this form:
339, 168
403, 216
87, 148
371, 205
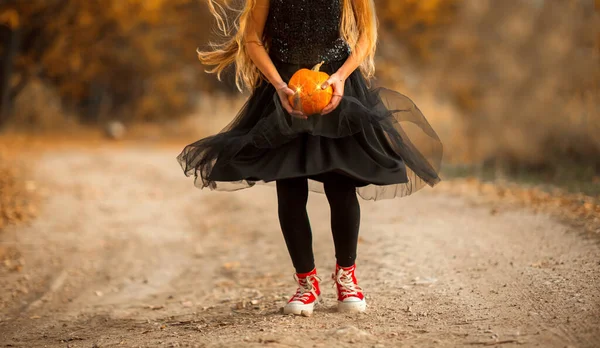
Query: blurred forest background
104, 241
512, 84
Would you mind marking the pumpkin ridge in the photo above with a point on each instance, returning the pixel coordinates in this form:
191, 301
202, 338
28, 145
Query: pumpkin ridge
309, 97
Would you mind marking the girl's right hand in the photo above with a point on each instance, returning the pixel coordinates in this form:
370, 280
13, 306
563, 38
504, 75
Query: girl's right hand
283, 91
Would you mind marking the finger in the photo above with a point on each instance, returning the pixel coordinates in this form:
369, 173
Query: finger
326, 84
287, 108
335, 101
289, 91
327, 109
296, 113
295, 102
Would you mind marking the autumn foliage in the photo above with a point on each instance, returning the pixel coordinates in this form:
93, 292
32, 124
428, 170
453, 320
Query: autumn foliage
526, 79
18, 199
522, 76
125, 59
418, 25
132, 60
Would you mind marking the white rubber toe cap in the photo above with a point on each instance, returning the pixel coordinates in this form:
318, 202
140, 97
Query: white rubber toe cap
352, 304
297, 307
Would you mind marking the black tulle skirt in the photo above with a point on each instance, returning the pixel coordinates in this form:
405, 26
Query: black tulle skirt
376, 136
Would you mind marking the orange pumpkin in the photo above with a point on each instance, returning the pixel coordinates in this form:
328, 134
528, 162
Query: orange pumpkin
310, 98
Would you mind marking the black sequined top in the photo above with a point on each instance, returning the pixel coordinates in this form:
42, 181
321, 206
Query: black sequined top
306, 31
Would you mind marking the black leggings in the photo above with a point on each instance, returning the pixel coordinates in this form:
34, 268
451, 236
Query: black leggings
292, 195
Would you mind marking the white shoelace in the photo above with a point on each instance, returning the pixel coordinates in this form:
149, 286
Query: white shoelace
306, 288
344, 279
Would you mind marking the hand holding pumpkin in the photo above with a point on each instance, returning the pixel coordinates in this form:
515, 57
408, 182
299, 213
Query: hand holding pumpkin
335, 82
309, 95
284, 92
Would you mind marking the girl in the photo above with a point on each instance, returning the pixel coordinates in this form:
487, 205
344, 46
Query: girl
355, 145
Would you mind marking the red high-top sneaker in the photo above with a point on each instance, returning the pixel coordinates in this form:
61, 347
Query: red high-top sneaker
307, 295
350, 295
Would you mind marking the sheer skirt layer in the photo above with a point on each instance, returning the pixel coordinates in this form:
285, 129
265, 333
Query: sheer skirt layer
377, 136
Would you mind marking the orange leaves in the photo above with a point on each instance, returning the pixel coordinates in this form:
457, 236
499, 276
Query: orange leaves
130, 13
577, 208
417, 22
10, 18
411, 13
18, 197
129, 54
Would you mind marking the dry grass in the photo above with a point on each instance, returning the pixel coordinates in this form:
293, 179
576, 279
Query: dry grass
516, 83
19, 200
575, 208
526, 79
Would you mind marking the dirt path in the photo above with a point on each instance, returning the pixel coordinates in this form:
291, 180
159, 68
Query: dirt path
127, 253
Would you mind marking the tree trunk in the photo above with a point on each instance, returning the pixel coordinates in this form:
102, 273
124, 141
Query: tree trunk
6, 70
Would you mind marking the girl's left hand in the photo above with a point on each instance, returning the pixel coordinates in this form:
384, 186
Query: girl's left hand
337, 83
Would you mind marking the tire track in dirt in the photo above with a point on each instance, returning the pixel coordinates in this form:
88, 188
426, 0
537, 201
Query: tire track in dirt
126, 252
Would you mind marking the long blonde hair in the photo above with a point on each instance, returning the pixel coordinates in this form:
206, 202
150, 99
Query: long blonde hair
358, 19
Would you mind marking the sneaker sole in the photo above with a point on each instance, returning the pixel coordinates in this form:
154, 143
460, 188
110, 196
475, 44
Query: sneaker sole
297, 309
352, 307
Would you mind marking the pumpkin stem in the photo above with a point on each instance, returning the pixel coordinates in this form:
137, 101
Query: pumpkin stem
318, 66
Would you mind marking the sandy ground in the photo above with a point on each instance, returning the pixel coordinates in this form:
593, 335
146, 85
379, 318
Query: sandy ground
127, 253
